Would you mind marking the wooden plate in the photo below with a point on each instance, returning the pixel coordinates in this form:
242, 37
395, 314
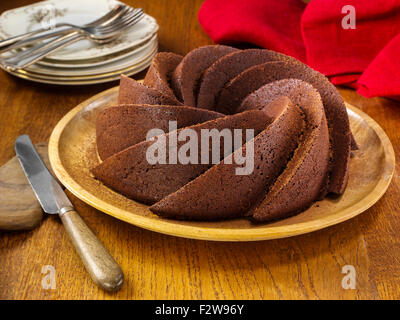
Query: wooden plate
72, 152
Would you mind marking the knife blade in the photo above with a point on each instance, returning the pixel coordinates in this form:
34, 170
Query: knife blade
37, 173
101, 266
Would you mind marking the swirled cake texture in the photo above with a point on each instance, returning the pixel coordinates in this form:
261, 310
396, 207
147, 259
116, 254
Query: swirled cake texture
300, 143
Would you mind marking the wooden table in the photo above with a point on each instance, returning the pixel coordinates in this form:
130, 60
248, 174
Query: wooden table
157, 266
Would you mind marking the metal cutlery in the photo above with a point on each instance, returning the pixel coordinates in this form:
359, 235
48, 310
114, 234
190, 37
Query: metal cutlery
99, 34
98, 28
98, 262
42, 34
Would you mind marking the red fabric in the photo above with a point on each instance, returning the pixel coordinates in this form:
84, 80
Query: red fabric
345, 78
273, 24
382, 76
365, 58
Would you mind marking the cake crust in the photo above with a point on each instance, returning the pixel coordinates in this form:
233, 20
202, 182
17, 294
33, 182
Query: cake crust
187, 75
133, 92
160, 72
226, 68
122, 126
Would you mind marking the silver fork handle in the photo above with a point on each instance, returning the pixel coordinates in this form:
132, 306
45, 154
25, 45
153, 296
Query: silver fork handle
30, 56
35, 38
7, 42
39, 48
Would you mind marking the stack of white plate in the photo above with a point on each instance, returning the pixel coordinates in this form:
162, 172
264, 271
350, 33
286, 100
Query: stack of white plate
83, 62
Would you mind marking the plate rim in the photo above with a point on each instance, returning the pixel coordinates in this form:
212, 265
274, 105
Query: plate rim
85, 80
70, 65
152, 50
211, 233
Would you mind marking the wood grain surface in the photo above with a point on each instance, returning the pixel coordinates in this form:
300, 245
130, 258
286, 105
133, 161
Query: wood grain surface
163, 267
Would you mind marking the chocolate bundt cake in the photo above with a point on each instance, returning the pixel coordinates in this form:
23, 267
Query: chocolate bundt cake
281, 129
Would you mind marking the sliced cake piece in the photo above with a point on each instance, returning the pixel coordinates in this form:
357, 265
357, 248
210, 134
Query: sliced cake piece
248, 81
226, 68
338, 122
160, 72
134, 173
133, 92
122, 126
186, 77
305, 176
251, 79
220, 192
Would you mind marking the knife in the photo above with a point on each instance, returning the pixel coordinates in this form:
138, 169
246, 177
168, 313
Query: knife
101, 266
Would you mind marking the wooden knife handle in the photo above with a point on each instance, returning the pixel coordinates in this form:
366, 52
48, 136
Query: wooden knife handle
101, 266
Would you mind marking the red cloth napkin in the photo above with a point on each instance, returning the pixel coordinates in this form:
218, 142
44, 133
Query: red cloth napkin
273, 24
382, 77
365, 58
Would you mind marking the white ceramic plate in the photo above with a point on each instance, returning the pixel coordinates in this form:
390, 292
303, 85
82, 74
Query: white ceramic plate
122, 63
24, 19
95, 62
84, 80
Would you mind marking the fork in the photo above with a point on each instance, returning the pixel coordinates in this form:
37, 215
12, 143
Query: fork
100, 34
41, 34
123, 16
